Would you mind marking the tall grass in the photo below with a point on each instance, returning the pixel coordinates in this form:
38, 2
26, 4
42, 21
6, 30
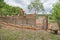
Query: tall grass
21, 34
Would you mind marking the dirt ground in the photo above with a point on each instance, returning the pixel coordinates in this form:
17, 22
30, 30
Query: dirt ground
13, 33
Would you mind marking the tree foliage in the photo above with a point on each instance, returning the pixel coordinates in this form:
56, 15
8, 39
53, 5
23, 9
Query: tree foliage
56, 11
8, 10
36, 6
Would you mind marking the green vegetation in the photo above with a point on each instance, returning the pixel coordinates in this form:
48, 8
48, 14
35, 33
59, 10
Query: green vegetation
5, 9
51, 18
22, 34
36, 6
56, 12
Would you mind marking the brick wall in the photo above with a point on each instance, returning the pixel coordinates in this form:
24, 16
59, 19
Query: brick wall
20, 20
41, 22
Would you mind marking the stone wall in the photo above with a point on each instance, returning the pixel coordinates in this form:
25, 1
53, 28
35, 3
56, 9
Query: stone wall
20, 20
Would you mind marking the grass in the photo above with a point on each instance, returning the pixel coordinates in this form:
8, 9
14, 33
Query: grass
24, 34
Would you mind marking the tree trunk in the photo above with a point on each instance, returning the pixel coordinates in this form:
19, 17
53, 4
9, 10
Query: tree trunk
46, 22
35, 17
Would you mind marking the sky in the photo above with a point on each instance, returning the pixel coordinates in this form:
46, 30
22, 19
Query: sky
48, 4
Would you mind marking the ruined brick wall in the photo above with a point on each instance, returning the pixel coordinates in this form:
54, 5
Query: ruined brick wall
20, 20
41, 22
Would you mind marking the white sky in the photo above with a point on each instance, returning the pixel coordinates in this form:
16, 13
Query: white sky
24, 3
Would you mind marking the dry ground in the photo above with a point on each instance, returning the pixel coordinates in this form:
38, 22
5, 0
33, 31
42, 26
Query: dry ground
13, 33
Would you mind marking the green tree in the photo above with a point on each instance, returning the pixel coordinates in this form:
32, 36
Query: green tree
56, 12
36, 6
5, 9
